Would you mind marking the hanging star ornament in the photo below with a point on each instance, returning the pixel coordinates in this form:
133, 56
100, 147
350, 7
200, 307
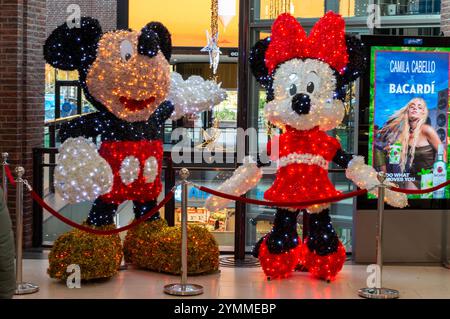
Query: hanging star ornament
213, 49
211, 137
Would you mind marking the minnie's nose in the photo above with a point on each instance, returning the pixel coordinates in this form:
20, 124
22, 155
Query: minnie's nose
301, 103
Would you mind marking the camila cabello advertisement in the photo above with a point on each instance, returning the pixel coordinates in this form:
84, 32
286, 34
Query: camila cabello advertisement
409, 103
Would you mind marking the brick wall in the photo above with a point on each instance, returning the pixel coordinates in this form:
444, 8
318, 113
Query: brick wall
445, 17
103, 10
22, 34
24, 26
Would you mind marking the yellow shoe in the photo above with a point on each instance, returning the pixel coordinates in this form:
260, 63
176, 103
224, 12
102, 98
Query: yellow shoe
98, 256
156, 246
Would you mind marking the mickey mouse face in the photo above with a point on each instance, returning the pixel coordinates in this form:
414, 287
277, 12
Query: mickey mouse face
123, 72
303, 96
130, 84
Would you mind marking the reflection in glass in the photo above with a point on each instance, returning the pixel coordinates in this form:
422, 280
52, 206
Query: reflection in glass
221, 223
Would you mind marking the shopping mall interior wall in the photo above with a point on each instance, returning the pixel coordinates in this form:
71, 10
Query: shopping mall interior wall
445, 17
22, 25
410, 236
103, 10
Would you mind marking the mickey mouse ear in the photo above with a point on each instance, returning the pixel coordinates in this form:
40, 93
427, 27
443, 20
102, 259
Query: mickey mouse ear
153, 35
71, 48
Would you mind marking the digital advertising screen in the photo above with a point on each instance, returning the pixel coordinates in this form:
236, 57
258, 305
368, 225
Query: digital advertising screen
408, 116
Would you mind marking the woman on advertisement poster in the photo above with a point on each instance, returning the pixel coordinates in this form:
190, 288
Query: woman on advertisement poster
408, 144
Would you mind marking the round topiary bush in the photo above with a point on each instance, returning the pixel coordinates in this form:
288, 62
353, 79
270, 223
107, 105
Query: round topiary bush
98, 256
156, 246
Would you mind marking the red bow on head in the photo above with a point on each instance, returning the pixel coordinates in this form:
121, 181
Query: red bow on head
326, 41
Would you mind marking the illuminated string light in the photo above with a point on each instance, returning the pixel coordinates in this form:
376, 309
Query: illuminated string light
129, 160
129, 84
125, 75
326, 42
97, 256
156, 247
365, 177
313, 78
299, 178
244, 178
81, 174
194, 95
304, 78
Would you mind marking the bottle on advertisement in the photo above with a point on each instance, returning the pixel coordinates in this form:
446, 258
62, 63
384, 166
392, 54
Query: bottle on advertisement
426, 181
439, 172
395, 152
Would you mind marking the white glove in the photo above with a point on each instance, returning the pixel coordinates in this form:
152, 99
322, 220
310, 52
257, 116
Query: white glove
365, 177
194, 95
244, 178
81, 174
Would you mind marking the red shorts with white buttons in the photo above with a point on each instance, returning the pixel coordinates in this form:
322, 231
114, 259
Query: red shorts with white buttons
136, 166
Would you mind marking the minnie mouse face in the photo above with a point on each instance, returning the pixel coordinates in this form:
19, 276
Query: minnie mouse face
303, 96
304, 75
124, 72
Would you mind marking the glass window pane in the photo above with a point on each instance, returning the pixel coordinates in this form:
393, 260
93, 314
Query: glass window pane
68, 104
353, 8
62, 75
86, 106
221, 224
270, 9
408, 7
50, 74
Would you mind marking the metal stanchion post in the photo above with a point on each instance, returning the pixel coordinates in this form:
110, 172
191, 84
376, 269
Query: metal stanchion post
22, 288
123, 264
4, 177
183, 288
379, 292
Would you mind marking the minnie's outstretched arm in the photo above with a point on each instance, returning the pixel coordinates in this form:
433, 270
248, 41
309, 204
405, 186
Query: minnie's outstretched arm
244, 178
365, 177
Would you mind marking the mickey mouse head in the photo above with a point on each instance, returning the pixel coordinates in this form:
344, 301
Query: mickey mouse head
124, 72
304, 75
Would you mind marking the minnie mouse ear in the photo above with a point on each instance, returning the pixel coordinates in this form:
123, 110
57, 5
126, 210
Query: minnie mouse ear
258, 63
357, 62
258, 66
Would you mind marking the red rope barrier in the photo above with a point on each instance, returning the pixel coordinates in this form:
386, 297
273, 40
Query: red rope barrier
9, 175
69, 222
169, 196
42, 203
419, 191
283, 204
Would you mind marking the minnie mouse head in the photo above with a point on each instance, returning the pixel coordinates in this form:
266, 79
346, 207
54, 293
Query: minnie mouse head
124, 72
304, 76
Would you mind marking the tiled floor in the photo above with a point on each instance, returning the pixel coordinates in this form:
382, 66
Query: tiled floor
246, 283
